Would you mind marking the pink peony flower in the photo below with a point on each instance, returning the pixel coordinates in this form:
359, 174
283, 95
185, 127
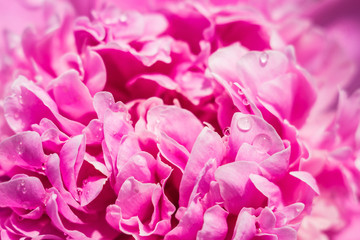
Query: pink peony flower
179, 120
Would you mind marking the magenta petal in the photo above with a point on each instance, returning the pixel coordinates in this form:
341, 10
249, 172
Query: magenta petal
215, 225
23, 149
52, 210
267, 219
235, 186
245, 226
22, 191
255, 131
134, 198
52, 170
170, 120
141, 166
277, 165
268, 189
208, 146
91, 190
63, 207
94, 67
30, 104
285, 233
189, 224
308, 179
71, 159
173, 151
78, 101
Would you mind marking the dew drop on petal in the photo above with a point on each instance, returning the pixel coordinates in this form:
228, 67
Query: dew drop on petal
227, 131
263, 59
20, 148
79, 191
262, 142
245, 101
244, 124
123, 18
21, 100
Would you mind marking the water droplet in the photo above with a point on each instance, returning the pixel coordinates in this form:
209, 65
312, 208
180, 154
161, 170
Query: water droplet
53, 197
21, 100
85, 181
123, 18
244, 124
43, 166
226, 131
239, 90
263, 59
20, 148
16, 116
26, 204
262, 143
79, 191
22, 187
245, 101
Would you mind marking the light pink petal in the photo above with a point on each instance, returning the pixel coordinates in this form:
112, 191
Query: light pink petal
208, 146
248, 152
87, 32
129, 146
189, 224
22, 191
173, 151
268, 189
141, 166
116, 125
235, 187
30, 104
289, 213
52, 210
92, 189
215, 225
23, 149
71, 159
285, 233
78, 101
134, 199
94, 132
52, 171
170, 120
95, 72
203, 180
63, 206
308, 179
267, 219
245, 226
276, 165
255, 131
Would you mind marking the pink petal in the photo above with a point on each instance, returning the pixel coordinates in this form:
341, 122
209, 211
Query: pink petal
22, 191
215, 225
208, 145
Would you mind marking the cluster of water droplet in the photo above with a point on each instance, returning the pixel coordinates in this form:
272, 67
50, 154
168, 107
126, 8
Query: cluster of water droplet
21, 187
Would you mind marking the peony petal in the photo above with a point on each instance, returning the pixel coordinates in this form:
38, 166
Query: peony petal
23, 149
208, 145
215, 225
22, 191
